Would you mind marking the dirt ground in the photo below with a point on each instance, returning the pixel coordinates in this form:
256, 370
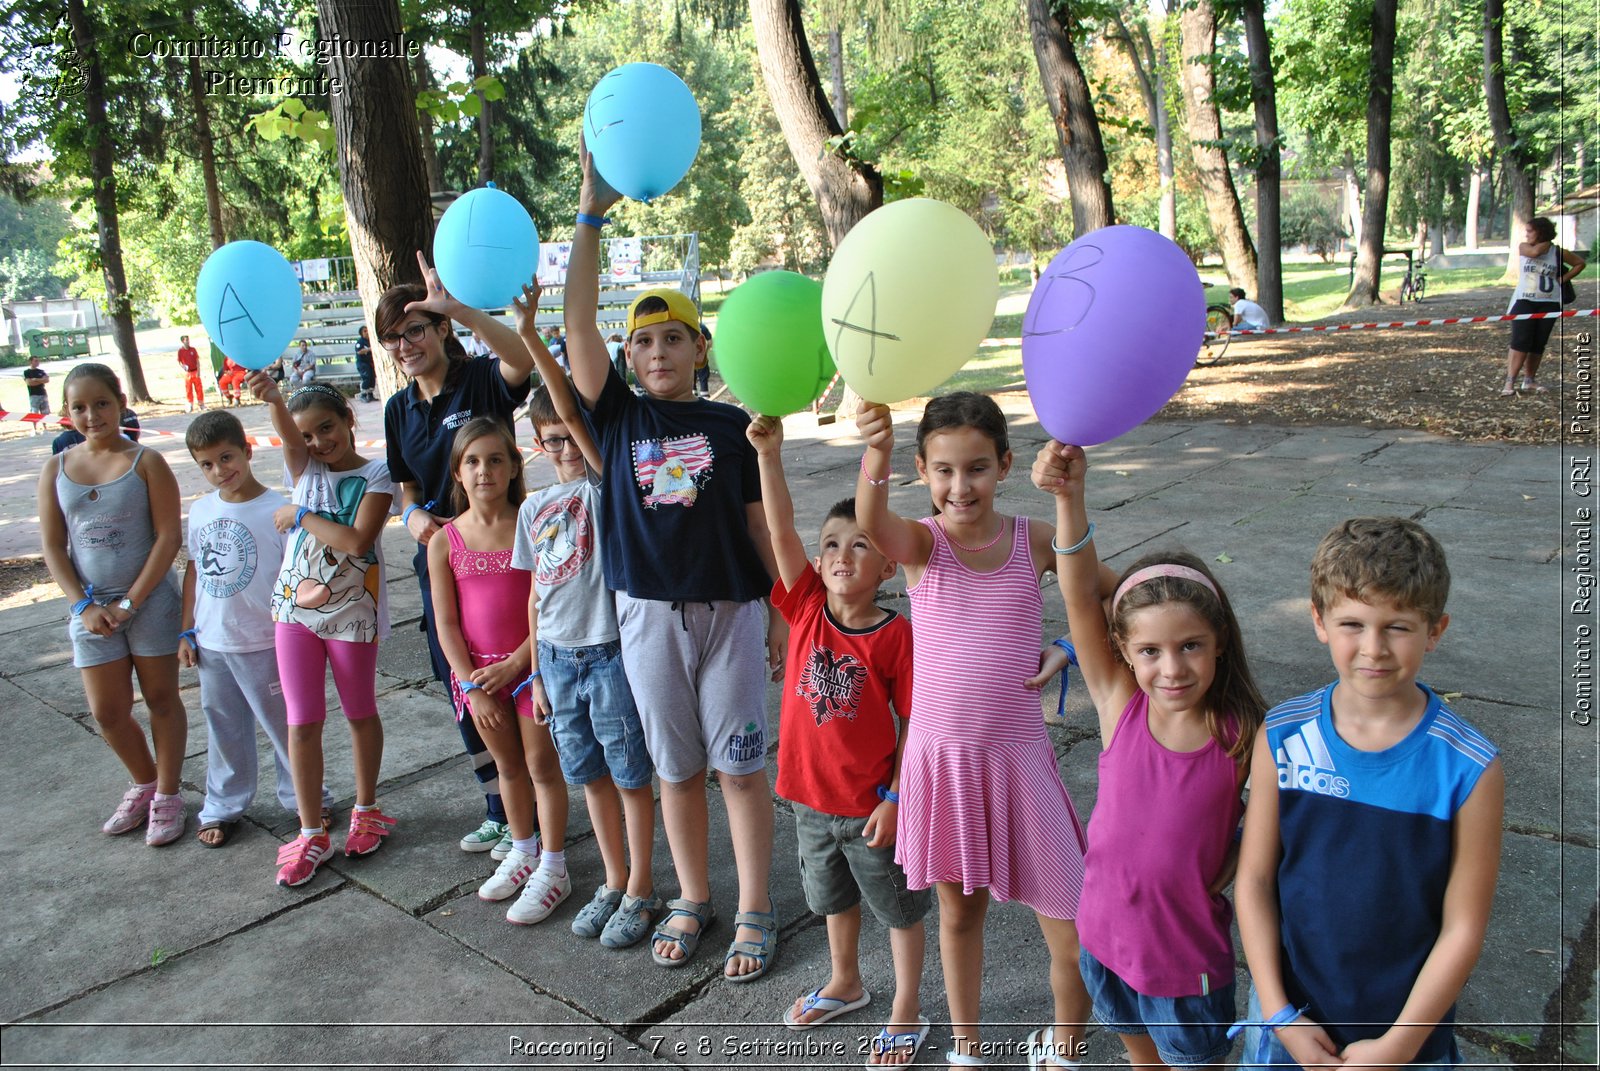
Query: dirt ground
1445, 380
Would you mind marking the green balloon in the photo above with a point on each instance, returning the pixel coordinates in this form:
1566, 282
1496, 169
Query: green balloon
769, 346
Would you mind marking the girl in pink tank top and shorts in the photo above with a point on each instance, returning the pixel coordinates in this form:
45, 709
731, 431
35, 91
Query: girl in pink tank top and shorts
983, 812
1178, 716
480, 607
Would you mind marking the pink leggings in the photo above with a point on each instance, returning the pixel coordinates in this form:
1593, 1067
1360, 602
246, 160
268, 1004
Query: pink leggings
303, 658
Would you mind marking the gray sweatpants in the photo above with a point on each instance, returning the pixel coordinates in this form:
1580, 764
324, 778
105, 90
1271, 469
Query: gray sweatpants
239, 689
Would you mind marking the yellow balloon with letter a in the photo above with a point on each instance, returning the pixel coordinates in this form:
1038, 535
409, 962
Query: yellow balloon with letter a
908, 296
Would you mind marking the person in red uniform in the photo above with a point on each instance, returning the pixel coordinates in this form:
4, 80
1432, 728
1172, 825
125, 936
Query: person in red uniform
193, 388
231, 382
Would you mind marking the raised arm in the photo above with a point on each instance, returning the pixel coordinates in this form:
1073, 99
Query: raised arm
562, 395
265, 388
516, 364
586, 350
788, 551
906, 542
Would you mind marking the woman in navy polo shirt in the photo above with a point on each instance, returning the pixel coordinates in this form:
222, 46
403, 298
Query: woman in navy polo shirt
446, 389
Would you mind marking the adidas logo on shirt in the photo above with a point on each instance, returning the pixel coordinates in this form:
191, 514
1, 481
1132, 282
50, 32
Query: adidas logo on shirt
1305, 763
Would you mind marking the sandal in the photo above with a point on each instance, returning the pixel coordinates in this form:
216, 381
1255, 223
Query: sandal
831, 1008
226, 827
1043, 1052
886, 1043
327, 820
764, 952
1509, 390
686, 943
961, 1059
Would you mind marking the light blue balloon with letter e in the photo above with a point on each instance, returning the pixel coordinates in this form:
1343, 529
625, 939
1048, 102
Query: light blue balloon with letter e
643, 127
249, 302
486, 248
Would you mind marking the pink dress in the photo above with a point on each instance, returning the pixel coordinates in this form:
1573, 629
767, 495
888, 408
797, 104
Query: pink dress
492, 603
981, 801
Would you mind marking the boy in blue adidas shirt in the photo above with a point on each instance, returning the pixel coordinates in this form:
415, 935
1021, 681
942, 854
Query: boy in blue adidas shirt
1369, 862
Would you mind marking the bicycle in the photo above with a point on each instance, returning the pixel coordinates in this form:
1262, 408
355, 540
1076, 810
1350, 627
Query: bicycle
1219, 328
1414, 285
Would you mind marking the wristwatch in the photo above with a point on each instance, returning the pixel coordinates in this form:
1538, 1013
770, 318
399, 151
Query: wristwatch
126, 606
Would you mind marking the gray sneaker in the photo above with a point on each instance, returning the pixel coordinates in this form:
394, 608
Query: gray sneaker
593, 916
632, 922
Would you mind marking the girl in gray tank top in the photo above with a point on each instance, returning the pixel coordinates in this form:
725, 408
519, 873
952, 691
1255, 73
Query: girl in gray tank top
109, 520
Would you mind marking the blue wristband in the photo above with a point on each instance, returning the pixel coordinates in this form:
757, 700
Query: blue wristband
426, 507
593, 221
300, 515
192, 635
84, 603
467, 686
1079, 545
1283, 1017
519, 689
888, 795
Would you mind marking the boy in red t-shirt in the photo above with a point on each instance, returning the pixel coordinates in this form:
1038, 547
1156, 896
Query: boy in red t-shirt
193, 390
839, 752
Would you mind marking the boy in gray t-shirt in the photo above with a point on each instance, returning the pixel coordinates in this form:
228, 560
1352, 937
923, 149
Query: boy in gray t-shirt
579, 682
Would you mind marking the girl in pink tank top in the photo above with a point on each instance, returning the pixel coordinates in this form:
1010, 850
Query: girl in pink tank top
982, 809
480, 607
1178, 716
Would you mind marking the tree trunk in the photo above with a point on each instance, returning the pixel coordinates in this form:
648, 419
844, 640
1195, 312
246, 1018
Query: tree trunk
1263, 92
380, 158
1380, 104
485, 124
1512, 150
1077, 129
846, 189
208, 151
1352, 199
102, 178
430, 152
1198, 34
841, 102
1474, 189
1150, 66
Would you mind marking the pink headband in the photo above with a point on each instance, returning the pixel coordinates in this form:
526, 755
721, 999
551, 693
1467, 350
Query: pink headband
1150, 572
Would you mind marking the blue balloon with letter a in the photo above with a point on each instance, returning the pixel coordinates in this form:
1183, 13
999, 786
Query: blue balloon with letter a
249, 302
643, 126
486, 248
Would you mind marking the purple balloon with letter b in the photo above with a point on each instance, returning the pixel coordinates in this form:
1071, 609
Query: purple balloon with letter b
1112, 330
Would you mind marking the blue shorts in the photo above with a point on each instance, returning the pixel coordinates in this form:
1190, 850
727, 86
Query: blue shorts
593, 721
1187, 1031
1262, 1049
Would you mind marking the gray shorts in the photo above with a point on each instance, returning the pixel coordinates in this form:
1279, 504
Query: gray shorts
151, 632
838, 871
698, 672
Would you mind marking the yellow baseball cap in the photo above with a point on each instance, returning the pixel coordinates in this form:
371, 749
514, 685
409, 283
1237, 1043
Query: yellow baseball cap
679, 308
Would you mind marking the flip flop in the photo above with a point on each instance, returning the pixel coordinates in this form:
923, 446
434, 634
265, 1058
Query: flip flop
227, 826
832, 1008
886, 1043
702, 913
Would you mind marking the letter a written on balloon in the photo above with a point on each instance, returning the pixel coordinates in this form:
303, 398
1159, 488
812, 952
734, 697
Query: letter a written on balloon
869, 286
224, 318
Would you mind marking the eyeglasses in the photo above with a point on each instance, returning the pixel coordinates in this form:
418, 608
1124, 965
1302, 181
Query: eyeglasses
413, 334
556, 444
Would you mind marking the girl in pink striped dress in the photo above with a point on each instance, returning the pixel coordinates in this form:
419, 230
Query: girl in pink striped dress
1178, 715
983, 812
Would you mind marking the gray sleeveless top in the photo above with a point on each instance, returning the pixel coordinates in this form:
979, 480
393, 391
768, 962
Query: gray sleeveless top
109, 533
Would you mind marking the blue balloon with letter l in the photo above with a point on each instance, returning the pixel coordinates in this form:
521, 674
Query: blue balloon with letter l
249, 302
643, 126
486, 248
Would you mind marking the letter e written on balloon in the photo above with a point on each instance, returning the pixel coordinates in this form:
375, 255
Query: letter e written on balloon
869, 286
224, 319
1064, 300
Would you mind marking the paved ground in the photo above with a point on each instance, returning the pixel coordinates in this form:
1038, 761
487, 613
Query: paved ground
113, 954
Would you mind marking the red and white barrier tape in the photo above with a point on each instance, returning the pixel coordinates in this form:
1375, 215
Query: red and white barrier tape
1419, 323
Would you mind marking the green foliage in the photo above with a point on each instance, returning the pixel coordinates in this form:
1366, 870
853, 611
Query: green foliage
1311, 219
1194, 225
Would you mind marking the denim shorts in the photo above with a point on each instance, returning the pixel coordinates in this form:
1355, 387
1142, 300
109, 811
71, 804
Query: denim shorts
838, 871
1187, 1031
1262, 1049
593, 721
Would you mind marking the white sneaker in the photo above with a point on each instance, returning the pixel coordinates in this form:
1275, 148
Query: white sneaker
543, 893
512, 875
485, 837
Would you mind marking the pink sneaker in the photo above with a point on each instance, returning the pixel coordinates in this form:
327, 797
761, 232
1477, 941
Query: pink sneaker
131, 812
298, 860
167, 818
367, 830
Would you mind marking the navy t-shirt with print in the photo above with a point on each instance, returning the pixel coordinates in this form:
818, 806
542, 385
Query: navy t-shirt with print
420, 434
678, 476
